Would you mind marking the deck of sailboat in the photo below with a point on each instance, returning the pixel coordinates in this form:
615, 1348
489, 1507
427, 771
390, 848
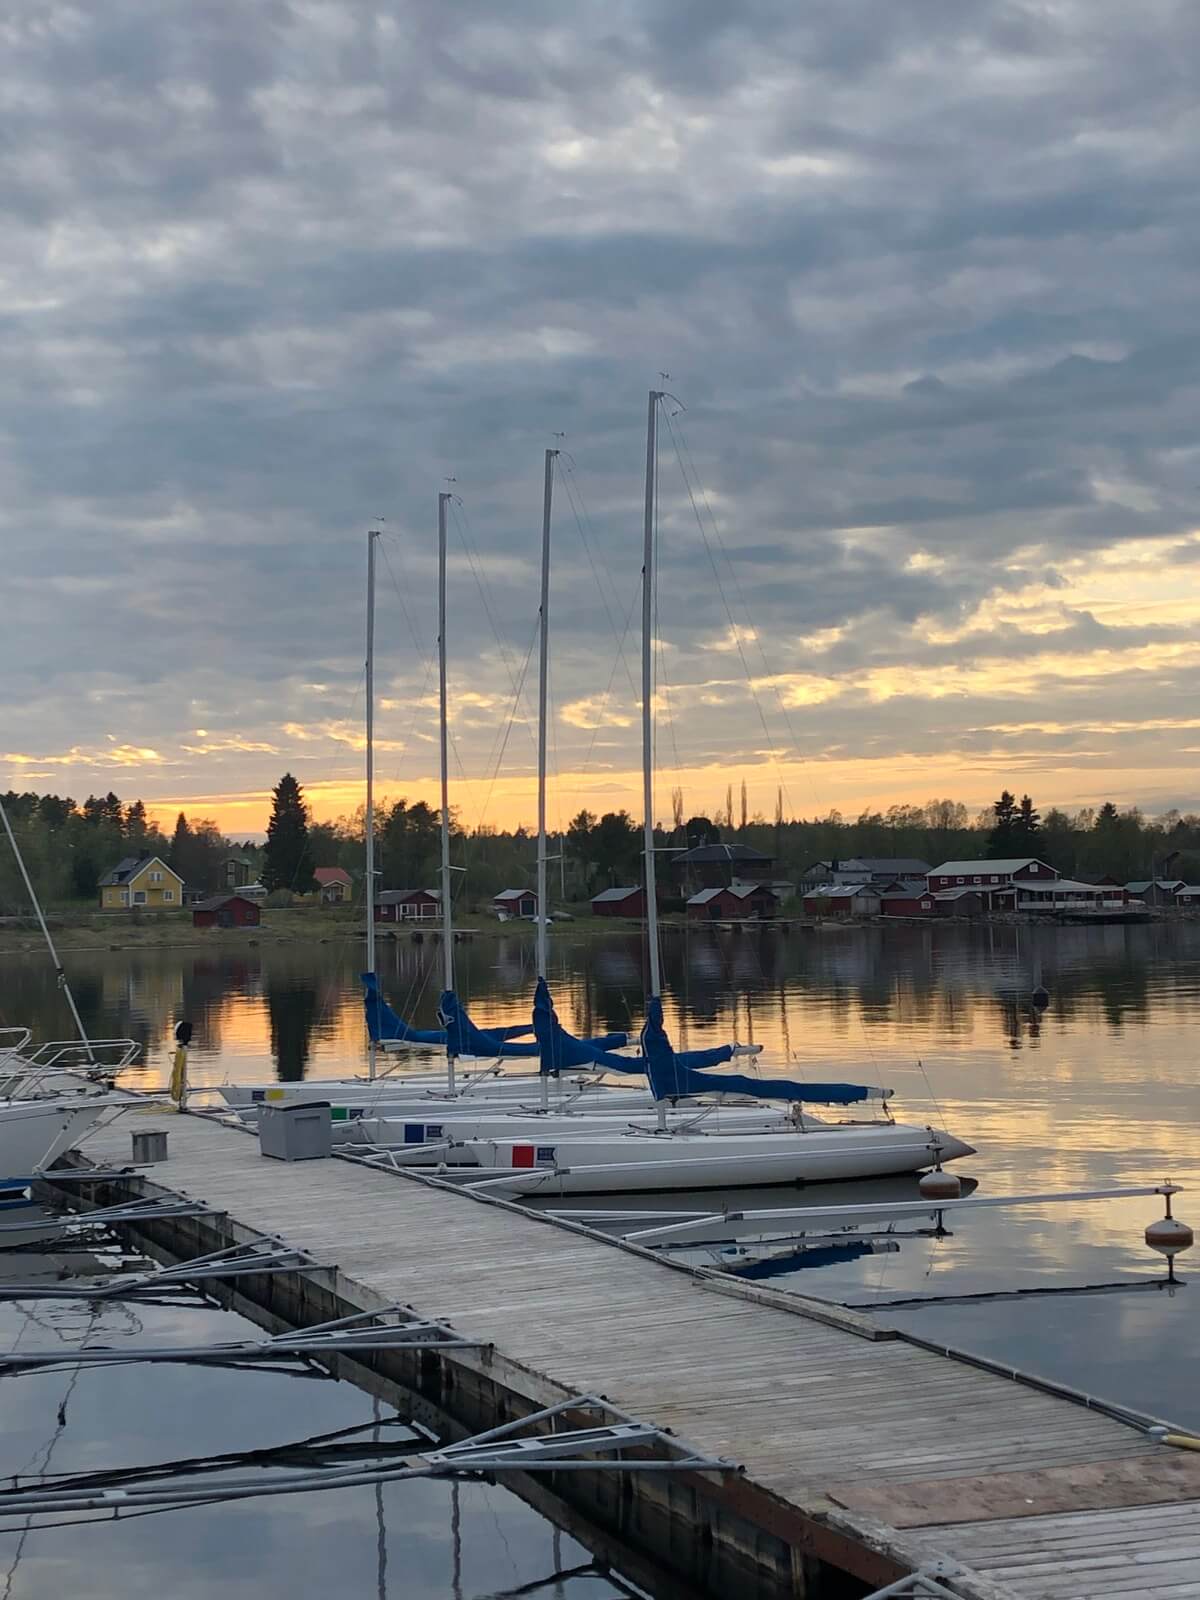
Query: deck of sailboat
900, 1449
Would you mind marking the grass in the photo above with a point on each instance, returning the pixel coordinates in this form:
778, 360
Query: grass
76, 927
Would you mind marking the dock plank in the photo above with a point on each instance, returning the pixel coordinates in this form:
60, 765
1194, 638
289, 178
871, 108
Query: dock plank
948, 1456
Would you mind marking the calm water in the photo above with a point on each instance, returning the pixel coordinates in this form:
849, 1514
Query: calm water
1099, 1089
421, 1540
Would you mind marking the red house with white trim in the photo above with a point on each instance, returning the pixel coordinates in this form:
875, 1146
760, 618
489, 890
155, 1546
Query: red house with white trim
406, 905
997, 882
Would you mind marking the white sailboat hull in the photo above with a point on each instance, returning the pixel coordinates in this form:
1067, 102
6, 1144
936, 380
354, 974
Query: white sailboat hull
423, 1143
34, 1133
632, 1163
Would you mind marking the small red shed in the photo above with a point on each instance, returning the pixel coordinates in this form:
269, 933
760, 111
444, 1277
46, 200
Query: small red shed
620, 902
906, 897
226, 911
737, 903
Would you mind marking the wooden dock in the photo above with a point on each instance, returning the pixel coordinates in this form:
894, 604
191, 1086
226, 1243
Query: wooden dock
860, 1450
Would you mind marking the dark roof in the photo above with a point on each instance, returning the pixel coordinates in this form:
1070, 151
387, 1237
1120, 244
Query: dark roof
127, 866
896, 866
396, 897
906, 889
722, 852
617, 894
216, 901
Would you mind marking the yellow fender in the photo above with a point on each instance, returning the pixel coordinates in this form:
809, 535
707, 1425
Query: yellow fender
179, 1077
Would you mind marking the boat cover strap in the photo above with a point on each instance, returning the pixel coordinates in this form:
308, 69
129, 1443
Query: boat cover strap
673, 1076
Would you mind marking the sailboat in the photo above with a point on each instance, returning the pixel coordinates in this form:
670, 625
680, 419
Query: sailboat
701, 1153
582, 1104
53, 1096
409, 1097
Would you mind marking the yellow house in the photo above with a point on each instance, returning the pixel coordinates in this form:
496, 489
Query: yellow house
140, 881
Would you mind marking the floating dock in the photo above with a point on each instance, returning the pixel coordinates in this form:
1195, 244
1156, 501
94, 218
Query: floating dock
864, 1457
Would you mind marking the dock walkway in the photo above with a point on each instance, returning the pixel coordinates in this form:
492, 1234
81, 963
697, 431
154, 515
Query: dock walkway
883, 1443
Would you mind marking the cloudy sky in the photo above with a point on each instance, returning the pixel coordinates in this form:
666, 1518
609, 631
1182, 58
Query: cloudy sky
923, 276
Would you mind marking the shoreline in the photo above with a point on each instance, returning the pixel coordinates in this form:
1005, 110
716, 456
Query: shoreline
78, 934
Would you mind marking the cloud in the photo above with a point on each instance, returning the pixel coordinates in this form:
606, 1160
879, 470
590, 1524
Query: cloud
269, 278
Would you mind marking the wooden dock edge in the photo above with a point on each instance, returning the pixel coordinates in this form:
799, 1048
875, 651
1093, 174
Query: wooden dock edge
714, 1533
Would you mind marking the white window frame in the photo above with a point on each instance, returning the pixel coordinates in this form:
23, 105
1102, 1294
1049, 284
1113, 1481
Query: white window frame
168, 894
960, 880
139, 897
1033, 866
156, 877
124, 897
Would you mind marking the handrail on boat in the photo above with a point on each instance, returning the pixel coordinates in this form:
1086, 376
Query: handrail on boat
79, 1052
22, 1073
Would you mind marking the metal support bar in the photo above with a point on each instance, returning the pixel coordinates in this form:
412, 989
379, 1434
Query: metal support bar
895, 1208
130, 1212
927, 1581
346, 1336
510, 1448
239, 1261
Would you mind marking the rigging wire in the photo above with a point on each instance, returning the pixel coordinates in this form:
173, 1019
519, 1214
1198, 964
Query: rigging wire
735, 631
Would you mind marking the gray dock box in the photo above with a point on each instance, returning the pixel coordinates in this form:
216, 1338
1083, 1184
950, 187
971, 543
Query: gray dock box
295, 1132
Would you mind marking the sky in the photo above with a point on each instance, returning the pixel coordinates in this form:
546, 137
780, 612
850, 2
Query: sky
923, 280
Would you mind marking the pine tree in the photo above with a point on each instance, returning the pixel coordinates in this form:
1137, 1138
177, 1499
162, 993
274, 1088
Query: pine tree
1107, 818
1002, 839
288, 860
136, 823
1026, 838
179, 858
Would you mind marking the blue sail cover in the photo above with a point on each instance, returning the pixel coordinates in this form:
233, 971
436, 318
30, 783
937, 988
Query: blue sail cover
463, 1038
560, 1050
673, 1075
383, 1023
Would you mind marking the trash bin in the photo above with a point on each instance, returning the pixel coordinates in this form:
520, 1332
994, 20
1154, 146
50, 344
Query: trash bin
300, 1132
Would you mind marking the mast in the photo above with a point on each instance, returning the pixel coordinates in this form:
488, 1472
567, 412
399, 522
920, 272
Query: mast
543, 919
58, 966
447, 913
370, 818
543, 687
648, 687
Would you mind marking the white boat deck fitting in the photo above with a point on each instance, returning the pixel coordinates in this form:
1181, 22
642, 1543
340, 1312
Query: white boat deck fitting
919, 1454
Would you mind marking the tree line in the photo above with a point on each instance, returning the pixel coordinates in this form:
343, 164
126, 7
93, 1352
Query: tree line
69, 846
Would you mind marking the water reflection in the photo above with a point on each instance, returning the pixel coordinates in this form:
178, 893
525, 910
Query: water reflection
1094, 1089
292, 1008
422, 1539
